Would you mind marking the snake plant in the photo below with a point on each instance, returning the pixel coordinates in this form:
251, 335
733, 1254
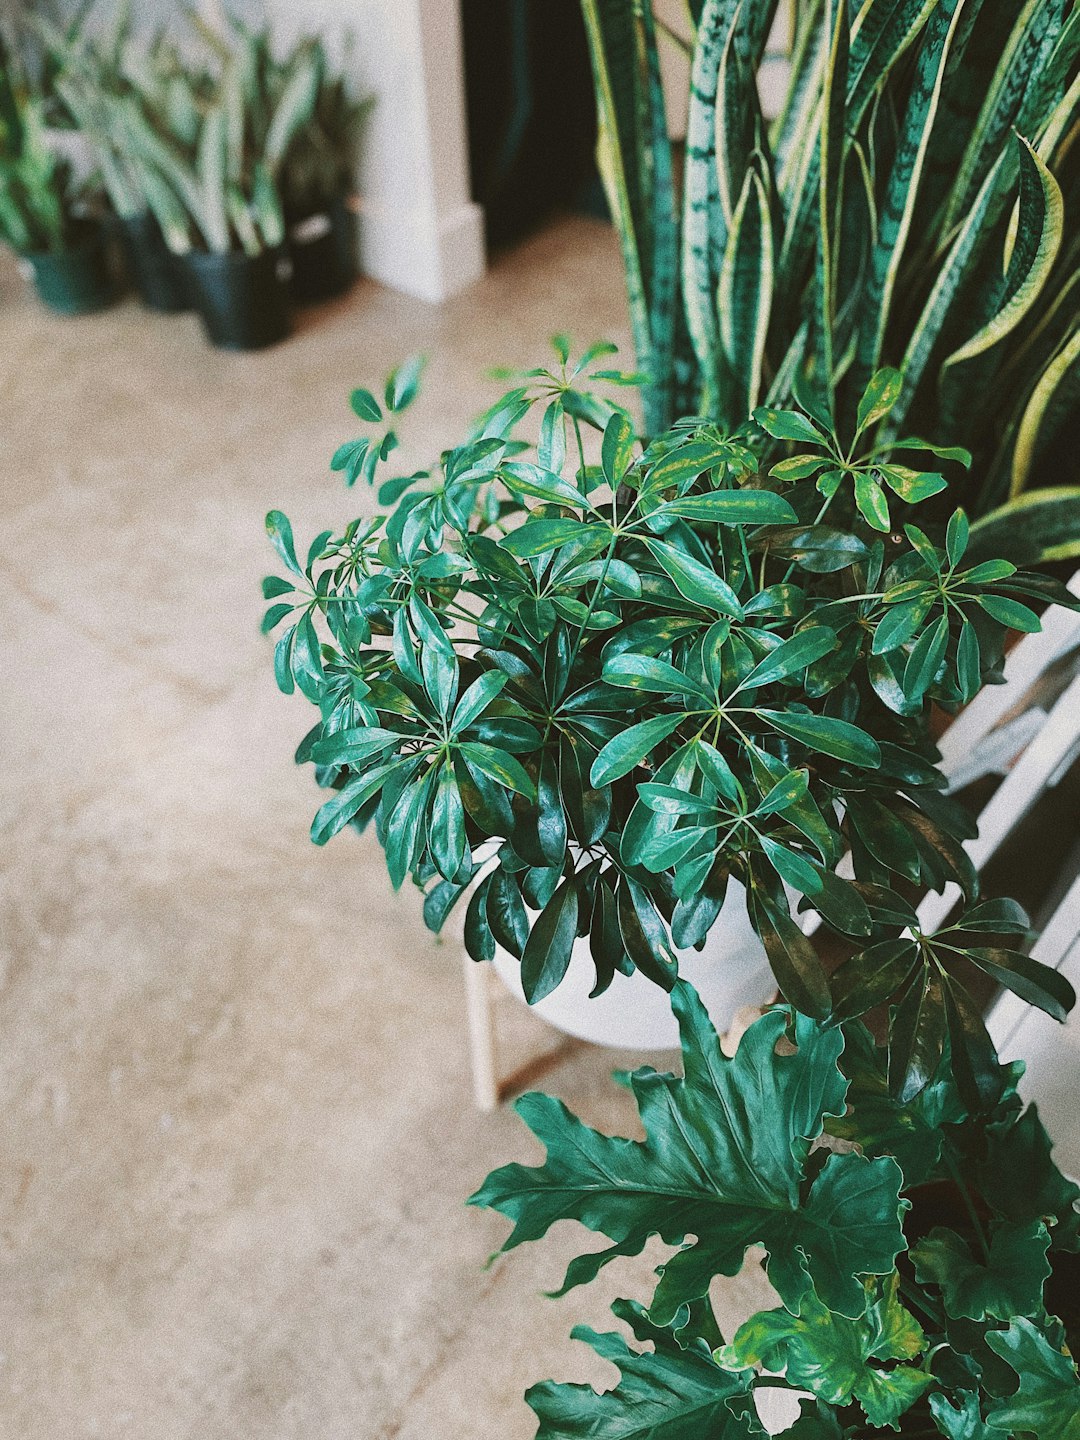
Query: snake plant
914, 204
37, 194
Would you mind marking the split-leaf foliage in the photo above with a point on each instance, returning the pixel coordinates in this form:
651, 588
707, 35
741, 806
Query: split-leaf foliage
915, 204
889, 1324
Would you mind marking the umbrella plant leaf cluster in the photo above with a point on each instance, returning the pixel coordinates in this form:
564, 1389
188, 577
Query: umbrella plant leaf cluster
583, 685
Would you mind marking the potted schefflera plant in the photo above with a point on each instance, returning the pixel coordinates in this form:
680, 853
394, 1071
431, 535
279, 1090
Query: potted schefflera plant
593, 692
43, 215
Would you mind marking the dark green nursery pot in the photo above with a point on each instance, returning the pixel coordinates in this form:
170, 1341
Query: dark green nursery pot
75, 281
243, 299
160, 276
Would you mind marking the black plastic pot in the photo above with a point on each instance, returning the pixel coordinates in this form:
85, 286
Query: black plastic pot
243, 299
75, 281
322, 247
159, 275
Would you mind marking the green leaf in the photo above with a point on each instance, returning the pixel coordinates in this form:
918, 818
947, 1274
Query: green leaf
733, 507
696, 581
446, 837
794, 960
911, 1130
1010, 613
724, 1160
642, 672
879, 397
1033, 981
1034, 529
871, 502
1008, 1283
837, 738
926, 658
538, 537
549, 947
917, 1036
274, 585
281, 537
788, 425
1047, 1402
964, 1423
624, 752
956, 537
476, 699
499, 766
617, 450
365, 405
791, 656
1020, 1181
340, 809
403, 384
668, 1394
871, 977
840, 1359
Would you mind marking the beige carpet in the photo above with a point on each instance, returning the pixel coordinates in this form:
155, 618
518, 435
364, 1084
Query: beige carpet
237, 1129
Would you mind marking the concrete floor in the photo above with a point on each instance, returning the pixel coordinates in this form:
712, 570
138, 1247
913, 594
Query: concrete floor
237, 1124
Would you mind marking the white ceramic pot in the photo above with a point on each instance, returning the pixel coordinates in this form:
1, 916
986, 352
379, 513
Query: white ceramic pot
633, 1013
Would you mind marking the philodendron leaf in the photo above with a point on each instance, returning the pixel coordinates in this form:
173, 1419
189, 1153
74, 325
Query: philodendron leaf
837, 1358
816, 1422
964, 1422
1047, 1403
1009, 1283
724, 1161
913, 1131
671, 1394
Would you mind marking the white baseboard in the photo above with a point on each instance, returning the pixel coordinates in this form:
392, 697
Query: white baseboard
408, 252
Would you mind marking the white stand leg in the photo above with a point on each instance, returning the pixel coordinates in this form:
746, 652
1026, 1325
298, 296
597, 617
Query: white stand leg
481, 1034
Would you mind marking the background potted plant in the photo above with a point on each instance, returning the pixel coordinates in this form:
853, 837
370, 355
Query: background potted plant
910, 205
95, 74
43, 216
645, 683
214, 191
317, 173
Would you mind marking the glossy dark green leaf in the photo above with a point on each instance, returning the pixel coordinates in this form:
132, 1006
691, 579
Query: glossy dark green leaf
696, 581
446, 836
499, 765
507, 917
1010, 613
791, 656
872, 977
479, 940
550, 945
724, 1161
617, 449
792, 955
916, 1036
343, 805
539, 537
838, 738
926, 658
624, 752
879, 397
1008, 1282
1033, 981
644, 936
